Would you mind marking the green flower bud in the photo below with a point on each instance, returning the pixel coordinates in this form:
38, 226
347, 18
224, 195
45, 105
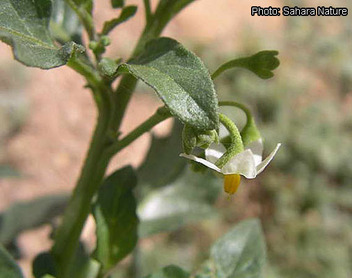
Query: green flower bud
192, 138
250, 132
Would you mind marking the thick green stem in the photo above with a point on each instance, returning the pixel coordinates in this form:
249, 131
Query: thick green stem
67, 236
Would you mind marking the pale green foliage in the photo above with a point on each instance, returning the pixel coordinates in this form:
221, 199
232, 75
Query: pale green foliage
115, 215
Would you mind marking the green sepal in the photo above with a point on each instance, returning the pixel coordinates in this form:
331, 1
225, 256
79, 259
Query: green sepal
261, 63
108, 67
192, 138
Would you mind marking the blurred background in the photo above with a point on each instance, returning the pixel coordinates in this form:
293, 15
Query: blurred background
304, 198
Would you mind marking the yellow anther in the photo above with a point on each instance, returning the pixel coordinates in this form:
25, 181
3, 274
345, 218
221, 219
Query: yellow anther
231, 183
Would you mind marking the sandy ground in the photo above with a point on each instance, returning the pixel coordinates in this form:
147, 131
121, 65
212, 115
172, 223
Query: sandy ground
50, 148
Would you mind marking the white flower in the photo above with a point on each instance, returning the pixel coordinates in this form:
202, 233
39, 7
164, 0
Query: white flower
248, 163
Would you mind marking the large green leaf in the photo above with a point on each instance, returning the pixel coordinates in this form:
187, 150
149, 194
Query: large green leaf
261, 63
170, 271
162, 164
238, 254
187, 199
65, 25
24, 26
8, 266
31, 214
181, 81
115, 215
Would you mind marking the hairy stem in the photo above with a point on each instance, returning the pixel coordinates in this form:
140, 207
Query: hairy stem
112, 106
84, 17
236, 141
161, 114
67, 236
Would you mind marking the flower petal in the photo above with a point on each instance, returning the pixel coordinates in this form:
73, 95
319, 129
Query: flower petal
243, 164
214, 152
266, 161
202, 161
257, 149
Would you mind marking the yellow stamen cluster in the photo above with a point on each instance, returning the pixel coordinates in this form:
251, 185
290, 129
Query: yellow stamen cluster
231, 183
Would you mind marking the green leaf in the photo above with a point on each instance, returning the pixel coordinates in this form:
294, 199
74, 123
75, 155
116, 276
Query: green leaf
170, 271
238, 254
261, 63
162, 164
8, 266
32, 213
186, 200
117, 3
181, 81
115, 215
65, 25
24, 26
82, 267
43, 264
126, 14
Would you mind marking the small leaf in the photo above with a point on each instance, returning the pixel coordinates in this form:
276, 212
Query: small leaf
261, 63
162, 164
65, 25
117, 3
43, 264
238, 254
24, 26
82, 267
32, 214
186, 200
126, 14
170, 271
115, 215
181, 81
8, 266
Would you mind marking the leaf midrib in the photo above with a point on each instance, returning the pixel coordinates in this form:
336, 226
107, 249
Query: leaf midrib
28, 38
